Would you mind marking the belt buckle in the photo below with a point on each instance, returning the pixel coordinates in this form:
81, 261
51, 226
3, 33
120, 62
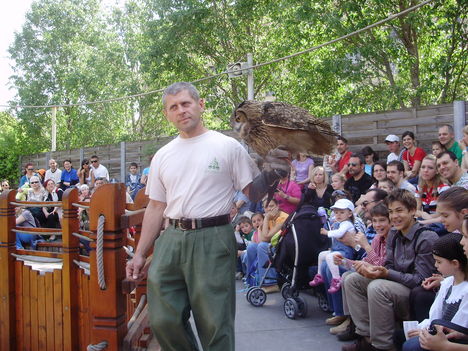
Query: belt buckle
181, 224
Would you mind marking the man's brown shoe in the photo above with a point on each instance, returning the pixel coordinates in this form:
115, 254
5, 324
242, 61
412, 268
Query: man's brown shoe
337, 320
340, 328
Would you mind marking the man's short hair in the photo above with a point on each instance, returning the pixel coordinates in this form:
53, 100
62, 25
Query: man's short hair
67, 160
450, 153
379, 210
94, 156
134, 164
405, 197
449, 128
379, 194
399, 165
342, 138
359, 156
176, 88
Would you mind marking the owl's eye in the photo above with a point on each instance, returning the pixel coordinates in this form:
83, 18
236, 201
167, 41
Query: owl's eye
237, 119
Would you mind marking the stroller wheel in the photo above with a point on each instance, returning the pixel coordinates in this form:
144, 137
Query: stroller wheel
323, 302
249, 290
257, 297
285, 290
302, 307
291, 308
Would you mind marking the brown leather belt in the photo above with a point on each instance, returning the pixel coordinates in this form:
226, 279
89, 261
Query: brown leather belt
198, 223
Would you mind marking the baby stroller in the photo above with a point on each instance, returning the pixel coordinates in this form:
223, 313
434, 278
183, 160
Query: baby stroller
297, 249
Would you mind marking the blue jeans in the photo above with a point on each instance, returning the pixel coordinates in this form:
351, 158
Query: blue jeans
335, 301
26, 239
259, 252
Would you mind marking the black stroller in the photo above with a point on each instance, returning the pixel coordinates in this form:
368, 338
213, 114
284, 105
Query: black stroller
297, 250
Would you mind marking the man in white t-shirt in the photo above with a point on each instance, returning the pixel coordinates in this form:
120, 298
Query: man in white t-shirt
393, 145
98, 170
53, 172
192, 183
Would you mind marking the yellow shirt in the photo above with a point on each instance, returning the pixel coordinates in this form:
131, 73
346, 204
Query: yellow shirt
278, 220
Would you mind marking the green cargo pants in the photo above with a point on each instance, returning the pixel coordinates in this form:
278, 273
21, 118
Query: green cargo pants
193, 270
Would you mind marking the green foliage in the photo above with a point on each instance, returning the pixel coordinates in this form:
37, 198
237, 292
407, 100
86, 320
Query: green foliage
12, 148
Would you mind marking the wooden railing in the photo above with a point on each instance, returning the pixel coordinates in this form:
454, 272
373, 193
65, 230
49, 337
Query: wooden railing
60, 305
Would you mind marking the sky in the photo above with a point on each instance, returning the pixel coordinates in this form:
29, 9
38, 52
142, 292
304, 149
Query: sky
12, 17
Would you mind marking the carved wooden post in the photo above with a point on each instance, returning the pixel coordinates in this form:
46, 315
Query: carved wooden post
108, 306
70, 224
7, 273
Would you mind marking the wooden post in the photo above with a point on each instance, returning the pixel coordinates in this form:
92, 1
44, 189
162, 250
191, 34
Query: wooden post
108, 307
70, 224
7, 273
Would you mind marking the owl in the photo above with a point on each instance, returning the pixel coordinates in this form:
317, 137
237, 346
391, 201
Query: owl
266, 125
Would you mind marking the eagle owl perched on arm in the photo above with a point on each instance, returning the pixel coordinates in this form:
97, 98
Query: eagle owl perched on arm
266, 125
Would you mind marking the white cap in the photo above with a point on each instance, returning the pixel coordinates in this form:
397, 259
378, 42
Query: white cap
392, 138
343, 204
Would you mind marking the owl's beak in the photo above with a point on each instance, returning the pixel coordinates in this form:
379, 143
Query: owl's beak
237, 127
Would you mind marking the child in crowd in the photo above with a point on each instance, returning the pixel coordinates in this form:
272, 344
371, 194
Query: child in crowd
451, 303
386, 185
343, 210
133, 180
452, 207
437, 148
250, 231
337, 181
243, 232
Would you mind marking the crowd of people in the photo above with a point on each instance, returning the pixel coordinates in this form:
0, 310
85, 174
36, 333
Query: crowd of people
395, 226
41, 185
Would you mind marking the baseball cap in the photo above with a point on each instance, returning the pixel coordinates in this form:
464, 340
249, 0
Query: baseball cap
343, 204
392, 138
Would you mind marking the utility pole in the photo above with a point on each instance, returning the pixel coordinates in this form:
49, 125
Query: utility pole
54, 128
238, 69
250, 78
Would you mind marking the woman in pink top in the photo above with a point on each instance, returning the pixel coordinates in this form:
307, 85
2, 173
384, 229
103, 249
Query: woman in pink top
412, 156
288, 194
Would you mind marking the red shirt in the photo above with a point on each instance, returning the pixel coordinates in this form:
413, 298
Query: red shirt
344, 161
419, 154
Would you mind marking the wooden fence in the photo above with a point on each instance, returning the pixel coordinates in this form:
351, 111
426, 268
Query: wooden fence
62, 305
360, 129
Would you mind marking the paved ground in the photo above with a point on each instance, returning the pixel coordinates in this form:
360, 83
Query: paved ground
267, 328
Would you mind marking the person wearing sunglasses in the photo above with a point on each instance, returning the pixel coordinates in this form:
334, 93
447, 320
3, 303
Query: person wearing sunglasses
359, 181
5, 186
36, 193
98, 170
29, 172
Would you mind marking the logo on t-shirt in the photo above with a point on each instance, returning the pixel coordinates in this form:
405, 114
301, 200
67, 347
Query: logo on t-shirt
214, 165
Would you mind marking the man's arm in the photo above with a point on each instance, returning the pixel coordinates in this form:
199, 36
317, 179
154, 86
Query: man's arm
152, 223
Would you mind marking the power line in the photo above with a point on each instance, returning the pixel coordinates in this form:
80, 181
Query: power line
376, 24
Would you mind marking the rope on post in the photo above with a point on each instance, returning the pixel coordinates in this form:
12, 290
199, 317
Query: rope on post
99, 252
97, 347
137, 312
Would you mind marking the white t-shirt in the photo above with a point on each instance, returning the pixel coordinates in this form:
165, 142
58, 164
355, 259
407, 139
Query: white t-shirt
392, 157
100, 172
198, 177
408, 186
55, 176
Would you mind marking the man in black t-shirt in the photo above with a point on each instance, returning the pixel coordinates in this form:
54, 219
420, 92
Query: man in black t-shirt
360, 181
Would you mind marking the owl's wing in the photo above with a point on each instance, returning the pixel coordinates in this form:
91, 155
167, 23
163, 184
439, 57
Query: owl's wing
279, 114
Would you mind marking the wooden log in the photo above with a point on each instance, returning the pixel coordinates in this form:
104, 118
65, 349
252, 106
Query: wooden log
7, 273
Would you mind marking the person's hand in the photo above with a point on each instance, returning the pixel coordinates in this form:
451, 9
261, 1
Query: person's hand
373, 272
348, 239
433, 282
312, 186
414, 332
434, 342
338, 259
361, 239
135, 268
323, 231
282, 194
332, 160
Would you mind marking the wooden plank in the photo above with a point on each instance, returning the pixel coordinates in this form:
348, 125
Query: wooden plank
34, 314
58, 319
41, 312
26, 308
19, 305
49, 307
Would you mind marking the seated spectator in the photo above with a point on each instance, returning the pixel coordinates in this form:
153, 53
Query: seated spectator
274, 219
242, 202
69, 176
84, 173
451, 303
98, 183
53, 172
133, 180
29, 172
344, 225
53, 215
338, 181
448, 168
25, 219
5, 186
437, 148
396, 173
447, 139
386, 185
393, 145
84, 193
302, 168
379, 172
98, 170
341, 165
370, 157
359, 182
377, 295
318, 192
375, 255
429, 188
288, 193
412, 156
36, 193
243, 232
